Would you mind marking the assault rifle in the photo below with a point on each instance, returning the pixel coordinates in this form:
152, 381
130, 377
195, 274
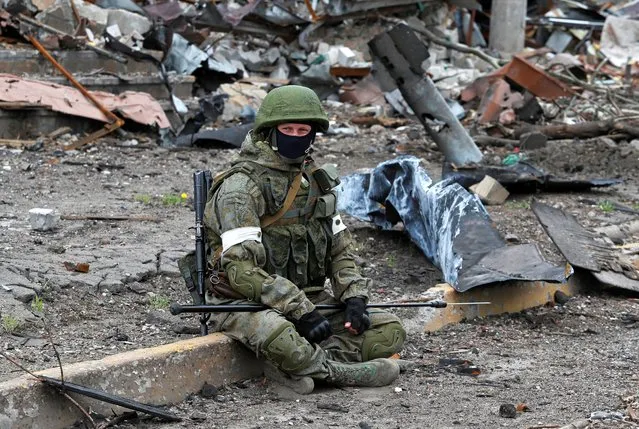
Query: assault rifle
201, 186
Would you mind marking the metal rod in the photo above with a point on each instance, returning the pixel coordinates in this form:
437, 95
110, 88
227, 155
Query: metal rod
229, 308
111, 399
114, 121
566, 22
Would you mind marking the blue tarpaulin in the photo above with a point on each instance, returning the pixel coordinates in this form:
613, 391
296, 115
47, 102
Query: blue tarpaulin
449, 224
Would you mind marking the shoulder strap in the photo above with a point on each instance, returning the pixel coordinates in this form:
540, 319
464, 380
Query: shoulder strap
290, 197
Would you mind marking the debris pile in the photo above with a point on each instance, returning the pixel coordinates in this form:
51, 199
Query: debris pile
195, 73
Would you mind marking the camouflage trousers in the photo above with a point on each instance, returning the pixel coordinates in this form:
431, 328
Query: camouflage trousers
255, 330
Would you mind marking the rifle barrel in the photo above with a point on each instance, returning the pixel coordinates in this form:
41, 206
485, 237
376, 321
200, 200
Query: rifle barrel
229, 308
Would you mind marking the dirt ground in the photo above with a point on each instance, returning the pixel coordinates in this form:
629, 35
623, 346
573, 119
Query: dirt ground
559, 363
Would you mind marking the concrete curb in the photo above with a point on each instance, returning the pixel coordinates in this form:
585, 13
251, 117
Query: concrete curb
160, 375
507, 297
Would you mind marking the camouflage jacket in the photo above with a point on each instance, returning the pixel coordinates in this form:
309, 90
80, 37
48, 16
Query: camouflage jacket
295, 254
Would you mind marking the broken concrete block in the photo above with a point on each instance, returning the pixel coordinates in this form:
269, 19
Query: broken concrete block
23, 294
61, 17
322, 48
345, 56
43, 219
490, 191
272, 55
128, 22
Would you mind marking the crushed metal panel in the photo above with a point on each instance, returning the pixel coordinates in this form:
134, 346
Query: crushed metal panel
522, 177
584, 249
610, 278
535, 79
573, 240
137, 106
449, 225
223, 137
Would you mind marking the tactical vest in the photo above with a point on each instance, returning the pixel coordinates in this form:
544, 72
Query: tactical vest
298, 244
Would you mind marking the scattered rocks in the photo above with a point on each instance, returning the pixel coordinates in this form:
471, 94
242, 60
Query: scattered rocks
208, 391
331, 406
198, 416
159, 317
508, 411
138, 288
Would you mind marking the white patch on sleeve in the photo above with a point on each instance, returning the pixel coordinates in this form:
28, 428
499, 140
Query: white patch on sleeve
239, 235
338, 224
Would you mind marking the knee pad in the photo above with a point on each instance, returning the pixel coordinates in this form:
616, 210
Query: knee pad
383, 341
287, 349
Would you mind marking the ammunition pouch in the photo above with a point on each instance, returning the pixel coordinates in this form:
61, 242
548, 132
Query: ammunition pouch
325, 206
326, 177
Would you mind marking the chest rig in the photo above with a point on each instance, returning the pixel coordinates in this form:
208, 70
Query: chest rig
297, 227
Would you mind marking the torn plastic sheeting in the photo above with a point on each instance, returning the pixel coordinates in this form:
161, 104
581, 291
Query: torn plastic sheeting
449, 224
184, 58
137, 106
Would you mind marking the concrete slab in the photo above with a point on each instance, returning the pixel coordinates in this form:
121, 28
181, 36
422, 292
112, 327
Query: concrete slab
29, 61
507, 297
160, 375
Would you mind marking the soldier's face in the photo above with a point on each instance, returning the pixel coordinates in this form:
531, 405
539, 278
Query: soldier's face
295, 130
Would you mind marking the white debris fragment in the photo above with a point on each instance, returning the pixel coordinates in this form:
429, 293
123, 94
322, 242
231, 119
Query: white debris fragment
43, 219
398, 389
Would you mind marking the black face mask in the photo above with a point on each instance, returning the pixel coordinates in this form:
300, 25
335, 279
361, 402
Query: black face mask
293, 148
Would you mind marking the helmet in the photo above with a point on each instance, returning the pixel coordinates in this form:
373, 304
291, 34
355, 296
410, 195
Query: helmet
291, 103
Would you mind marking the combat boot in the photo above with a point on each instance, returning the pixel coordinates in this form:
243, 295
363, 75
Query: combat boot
302, 385
373, 373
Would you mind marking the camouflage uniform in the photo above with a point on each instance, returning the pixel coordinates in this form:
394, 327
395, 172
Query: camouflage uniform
286, 264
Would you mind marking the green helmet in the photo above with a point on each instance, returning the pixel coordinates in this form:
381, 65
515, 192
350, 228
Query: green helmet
291, 103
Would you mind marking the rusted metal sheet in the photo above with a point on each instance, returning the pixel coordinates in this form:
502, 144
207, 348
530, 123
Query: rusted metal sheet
492, 102
137, 106
535, 80
343, 71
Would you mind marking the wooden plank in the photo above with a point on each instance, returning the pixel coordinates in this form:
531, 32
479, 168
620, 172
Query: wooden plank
16, 143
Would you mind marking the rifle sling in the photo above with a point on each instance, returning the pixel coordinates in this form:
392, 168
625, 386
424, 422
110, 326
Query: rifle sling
288, 202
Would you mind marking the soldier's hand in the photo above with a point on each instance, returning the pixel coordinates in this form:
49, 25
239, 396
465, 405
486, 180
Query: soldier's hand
314, 327
357, 320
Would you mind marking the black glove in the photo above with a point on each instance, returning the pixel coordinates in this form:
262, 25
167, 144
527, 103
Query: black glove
357, 315
314, 327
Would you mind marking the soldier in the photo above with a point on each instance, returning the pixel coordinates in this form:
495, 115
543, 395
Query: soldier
273, 222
